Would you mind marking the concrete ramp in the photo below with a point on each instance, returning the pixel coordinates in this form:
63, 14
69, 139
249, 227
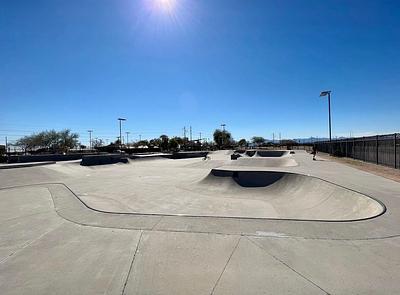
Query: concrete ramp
104, 159
265, 162
271, 153
292, 196
207, 164
264, 158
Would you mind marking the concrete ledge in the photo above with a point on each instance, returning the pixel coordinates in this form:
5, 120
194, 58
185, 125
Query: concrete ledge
175, 155
45, 158
93, 160
23, 165
149, 156
187, 155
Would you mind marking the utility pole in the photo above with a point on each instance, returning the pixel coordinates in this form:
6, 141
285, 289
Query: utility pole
190, 133
184, 133
7, 148
223, 134
127, 137
328, 93
90, 139
200, 136
273, 138
280, 140
120, 132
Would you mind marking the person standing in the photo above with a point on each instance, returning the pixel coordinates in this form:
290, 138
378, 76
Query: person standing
314, 151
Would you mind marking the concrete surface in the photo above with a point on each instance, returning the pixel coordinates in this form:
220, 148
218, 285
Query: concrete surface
23, 165
68, 229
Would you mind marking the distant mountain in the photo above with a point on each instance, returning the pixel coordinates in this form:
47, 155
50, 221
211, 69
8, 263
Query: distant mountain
315, 139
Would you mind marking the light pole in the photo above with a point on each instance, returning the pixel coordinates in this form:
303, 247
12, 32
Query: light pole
223, 133
120, 132
90, 139
328, 93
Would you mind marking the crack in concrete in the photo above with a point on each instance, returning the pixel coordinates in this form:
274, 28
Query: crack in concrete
131, 265
288, 266
27, 244
226, 264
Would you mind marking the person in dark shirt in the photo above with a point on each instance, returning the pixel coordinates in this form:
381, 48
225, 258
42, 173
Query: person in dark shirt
314, 151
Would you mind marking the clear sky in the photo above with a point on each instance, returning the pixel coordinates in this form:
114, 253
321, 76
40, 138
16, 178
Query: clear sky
258, 66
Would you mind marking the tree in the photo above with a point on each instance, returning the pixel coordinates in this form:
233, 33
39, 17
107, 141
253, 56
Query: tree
57, 141
142, 143
155, 142
67, 140
222, 138
173, 144
164, 142
258, 140
180, 140
242, 142
97, 143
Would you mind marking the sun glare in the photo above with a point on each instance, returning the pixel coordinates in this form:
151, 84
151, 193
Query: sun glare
166, 5
164, 15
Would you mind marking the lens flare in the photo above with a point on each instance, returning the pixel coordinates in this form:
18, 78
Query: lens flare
166, 5
162, 17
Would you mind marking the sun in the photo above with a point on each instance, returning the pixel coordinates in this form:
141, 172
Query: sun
166, 5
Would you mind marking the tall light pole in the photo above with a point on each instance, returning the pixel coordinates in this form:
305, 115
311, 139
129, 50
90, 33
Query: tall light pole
120, 132
90, 138
328, 93
223, 133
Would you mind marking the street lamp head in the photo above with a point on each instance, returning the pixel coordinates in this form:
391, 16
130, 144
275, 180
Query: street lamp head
325, 93
122, 119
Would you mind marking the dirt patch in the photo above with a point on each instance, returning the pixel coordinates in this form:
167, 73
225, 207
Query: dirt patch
387, 172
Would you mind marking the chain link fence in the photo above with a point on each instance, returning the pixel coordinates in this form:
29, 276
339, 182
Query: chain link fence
379, 149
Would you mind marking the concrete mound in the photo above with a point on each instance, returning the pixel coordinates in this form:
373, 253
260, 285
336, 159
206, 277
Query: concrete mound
292, 196
250, 153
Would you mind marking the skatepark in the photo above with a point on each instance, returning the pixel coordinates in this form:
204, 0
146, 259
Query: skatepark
269, 222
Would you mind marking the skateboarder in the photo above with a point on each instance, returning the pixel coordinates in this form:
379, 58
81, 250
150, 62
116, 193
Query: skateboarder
314, 151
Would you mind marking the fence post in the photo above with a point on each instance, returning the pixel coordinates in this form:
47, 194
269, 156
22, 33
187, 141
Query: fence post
377, 153
395, 151
364, 149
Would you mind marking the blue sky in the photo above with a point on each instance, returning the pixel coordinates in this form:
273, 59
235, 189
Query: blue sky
257, 66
